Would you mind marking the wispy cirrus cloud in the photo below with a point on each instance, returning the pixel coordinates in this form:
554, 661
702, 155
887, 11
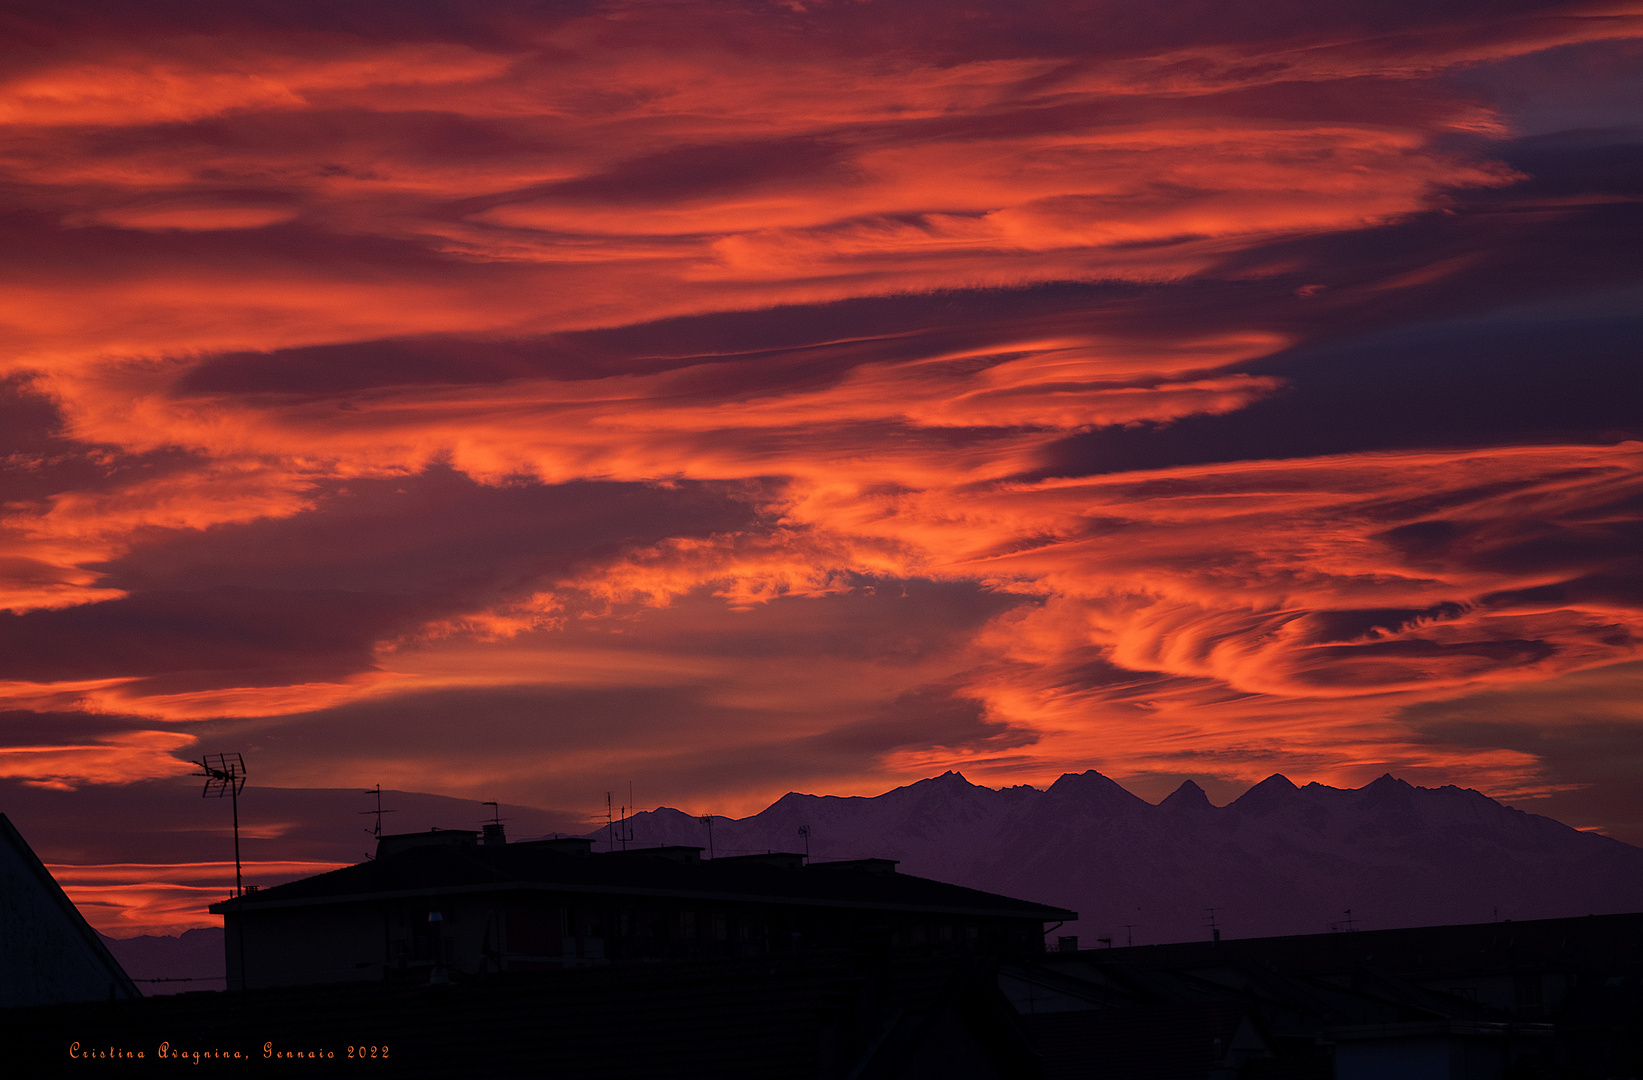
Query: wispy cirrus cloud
745, 398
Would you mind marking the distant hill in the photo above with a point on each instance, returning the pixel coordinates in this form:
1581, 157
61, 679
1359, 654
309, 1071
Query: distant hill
191, 961
1278, 860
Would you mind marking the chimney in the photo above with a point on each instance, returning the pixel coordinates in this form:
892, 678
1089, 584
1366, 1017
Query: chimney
493, 834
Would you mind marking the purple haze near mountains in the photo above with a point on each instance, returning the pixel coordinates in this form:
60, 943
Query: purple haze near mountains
1278, 860
159, 964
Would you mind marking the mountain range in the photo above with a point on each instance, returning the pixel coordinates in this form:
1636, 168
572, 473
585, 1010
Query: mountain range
1280, 859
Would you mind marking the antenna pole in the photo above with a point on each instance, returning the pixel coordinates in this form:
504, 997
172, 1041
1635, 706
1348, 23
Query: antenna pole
804, 831
234, 800
226, 778
376, 830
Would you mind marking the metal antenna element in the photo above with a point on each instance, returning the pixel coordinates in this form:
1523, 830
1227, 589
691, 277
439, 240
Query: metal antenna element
618, 828
707, 819
1213, 924
496, 812
627, 818
1129, 933
226, 777
379, 811
804, 831
1347, 924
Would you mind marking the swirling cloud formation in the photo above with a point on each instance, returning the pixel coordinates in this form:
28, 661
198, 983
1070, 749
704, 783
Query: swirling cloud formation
499, 400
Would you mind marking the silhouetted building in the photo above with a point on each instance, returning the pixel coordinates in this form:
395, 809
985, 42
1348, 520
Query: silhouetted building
1548, 998
1429, 1003
816, 1016
47, 951
442, 906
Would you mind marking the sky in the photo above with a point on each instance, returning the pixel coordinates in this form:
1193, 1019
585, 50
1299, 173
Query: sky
518, 401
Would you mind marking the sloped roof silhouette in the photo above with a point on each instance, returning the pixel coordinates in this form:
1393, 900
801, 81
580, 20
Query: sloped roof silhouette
48, 953
446, 869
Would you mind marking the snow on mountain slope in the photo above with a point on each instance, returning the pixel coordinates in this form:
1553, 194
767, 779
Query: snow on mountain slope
1278, 860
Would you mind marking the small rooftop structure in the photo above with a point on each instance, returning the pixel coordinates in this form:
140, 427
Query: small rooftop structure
395, 843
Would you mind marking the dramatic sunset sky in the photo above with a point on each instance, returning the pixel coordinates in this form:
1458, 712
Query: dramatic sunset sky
515, 400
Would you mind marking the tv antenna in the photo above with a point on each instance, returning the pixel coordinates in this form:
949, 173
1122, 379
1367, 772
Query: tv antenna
707, 819
379, 811
1213, 924
226, 777
617, 829
1129, 933
804, 831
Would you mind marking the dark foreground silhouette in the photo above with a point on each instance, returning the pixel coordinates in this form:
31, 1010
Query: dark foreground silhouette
1492, 1001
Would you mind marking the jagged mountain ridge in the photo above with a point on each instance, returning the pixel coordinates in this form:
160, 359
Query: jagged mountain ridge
1280, 859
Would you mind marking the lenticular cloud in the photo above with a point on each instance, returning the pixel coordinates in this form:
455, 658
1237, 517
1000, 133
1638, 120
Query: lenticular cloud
815, 394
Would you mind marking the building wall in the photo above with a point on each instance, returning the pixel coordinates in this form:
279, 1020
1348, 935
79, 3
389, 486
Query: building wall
529, 930
300, 946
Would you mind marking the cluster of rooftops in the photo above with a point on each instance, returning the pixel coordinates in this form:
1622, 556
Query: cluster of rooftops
453, 862
446, 904
465, 955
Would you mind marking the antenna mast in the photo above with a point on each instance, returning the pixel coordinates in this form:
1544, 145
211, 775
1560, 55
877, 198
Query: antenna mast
707, 819
627, 818
618, 829
226, 777
379, 811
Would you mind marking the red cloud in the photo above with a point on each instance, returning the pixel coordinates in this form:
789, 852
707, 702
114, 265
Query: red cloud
857, 278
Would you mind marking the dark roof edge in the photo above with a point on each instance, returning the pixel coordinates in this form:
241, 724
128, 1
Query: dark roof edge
9, 832
1042, 913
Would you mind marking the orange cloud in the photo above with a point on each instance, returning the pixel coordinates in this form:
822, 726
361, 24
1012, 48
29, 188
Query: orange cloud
188, 196
131, 899
114, 759
705, 182
203, 216
166, 81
